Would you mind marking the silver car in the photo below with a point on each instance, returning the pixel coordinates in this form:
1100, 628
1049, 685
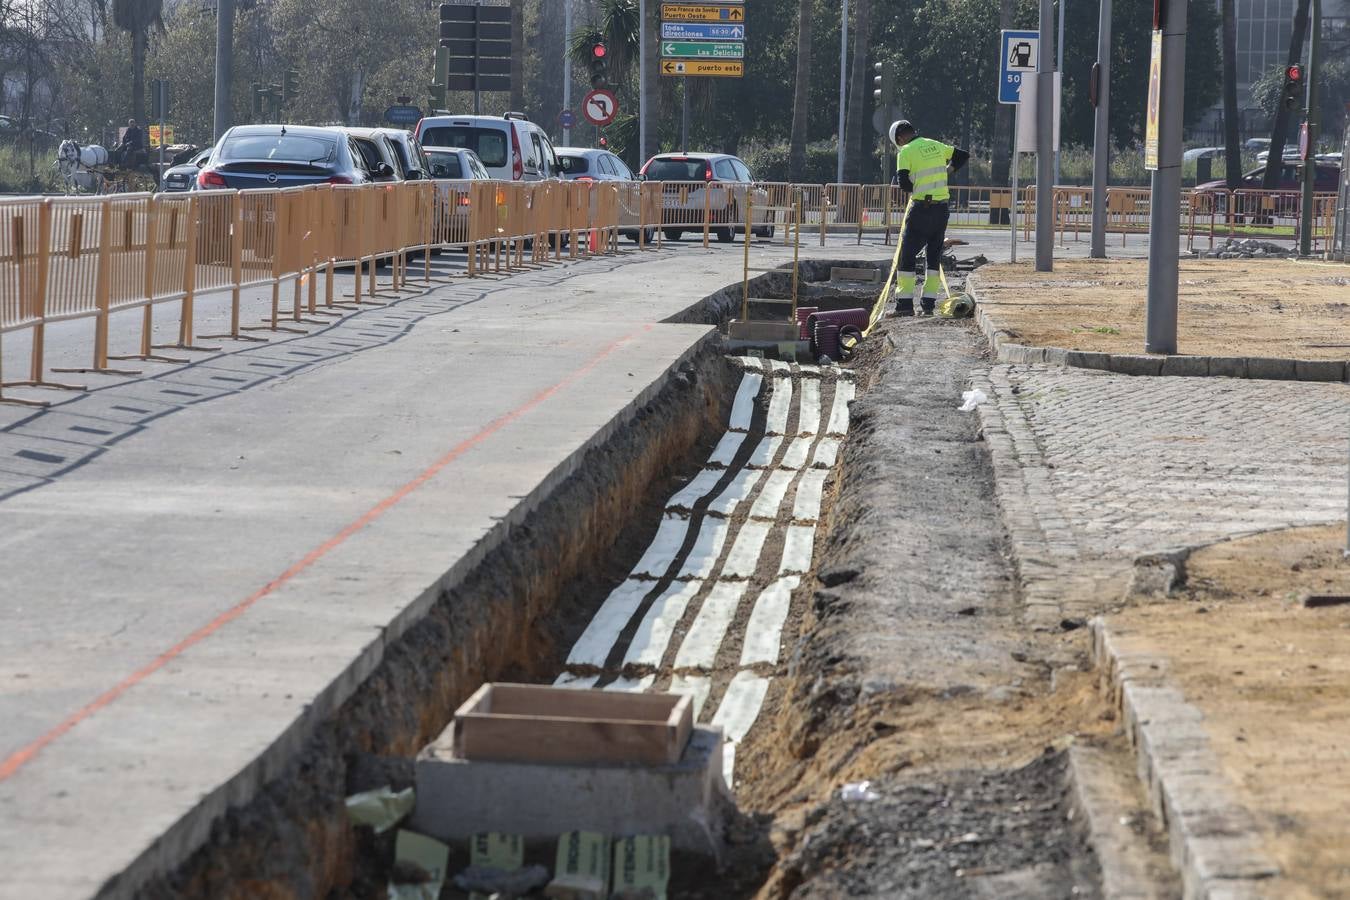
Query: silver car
455, 163
723, 178
587, 164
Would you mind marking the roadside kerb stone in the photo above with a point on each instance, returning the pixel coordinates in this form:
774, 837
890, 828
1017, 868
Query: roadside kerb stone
1214, 840
1002, 341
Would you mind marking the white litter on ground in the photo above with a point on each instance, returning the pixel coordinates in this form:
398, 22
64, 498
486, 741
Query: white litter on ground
699, 647
764, 631
743, 409
653, 634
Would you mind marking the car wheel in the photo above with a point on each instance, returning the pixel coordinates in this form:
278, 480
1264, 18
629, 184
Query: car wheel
674, 234
725, 235
765, 232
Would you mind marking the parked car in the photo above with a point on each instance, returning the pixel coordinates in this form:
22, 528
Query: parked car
511, 148
587, 164
409, 158
1262, 207
183, 177
268, 156
455, 163
376, 151
726, 180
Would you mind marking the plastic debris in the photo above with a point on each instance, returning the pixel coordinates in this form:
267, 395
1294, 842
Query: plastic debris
381, 808
858, 792
419, 867
972, 399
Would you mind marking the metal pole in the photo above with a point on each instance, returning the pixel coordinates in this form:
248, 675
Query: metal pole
642, 82
1059, 67
162, 98
567, 68
684, 114
1305, 218
843, 88
224, 65
1012, 210
1164, 225
1101, 134
1045, 164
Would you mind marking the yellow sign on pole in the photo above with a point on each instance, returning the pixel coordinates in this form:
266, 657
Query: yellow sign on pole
154, 135
681, 12
1154, 100
715, 67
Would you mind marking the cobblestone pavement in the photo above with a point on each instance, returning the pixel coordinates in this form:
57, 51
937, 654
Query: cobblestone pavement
1095, 469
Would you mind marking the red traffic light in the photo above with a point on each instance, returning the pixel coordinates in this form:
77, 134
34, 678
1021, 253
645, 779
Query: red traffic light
604, 142
1294, 73
598, 51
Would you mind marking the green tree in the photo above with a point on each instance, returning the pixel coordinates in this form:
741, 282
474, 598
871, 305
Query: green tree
137, 17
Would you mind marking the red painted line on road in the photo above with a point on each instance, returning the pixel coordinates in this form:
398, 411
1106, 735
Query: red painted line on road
20, 758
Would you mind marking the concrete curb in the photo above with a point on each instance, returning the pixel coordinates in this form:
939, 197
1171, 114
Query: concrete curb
1213, 840
1005, 350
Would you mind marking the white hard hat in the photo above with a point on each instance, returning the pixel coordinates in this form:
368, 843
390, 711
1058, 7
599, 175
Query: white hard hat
898, 126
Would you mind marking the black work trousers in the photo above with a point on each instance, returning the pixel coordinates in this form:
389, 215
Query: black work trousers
925, 229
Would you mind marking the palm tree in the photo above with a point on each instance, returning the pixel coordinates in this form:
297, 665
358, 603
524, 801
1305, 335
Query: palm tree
1271, 180
137, 17
621, 32
859, 88
801, 91
1232, 152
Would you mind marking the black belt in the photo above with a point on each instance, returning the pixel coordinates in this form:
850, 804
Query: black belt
924, 201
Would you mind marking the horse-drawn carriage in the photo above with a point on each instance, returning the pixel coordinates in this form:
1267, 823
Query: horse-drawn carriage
92, 169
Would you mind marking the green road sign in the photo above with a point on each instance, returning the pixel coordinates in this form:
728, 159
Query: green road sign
703, 50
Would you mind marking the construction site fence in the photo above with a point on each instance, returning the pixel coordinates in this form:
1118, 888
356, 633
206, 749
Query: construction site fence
64, 258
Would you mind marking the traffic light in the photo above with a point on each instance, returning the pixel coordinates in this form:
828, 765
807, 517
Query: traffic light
290, 85
599, 65
884, 85
437, 94
1293, 87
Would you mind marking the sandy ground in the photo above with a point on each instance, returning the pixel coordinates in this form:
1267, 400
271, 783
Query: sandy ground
1273, 680
1262, 307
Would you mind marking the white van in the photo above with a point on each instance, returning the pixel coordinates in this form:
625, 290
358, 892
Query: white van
511, 147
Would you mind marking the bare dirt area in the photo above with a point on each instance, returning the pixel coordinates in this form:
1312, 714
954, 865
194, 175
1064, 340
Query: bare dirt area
1256, 307
1272, 678
913, 670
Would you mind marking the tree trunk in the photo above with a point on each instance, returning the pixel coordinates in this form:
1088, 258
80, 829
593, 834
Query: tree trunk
1232, 149
858, 123
138, 76
1272, 177
517, 55
801, 91
1002, 163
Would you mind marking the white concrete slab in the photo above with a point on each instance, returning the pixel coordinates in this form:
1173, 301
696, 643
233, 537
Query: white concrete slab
764, 631
743, 408
844, 392
700, 644
771, 496
653, 634
798, 546
743, 557
808, 417
696, 686
581, 682
737, 714
764, 452
826, 453
810, 492
598, 639
780, 406
665, 546
698, 487
797, 452
740, 487
726, 448
631, 685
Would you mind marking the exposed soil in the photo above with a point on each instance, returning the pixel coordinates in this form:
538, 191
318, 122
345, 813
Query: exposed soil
1260, 307
1273, 681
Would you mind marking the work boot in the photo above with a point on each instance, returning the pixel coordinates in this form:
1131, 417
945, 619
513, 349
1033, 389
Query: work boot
929, 303
904, 306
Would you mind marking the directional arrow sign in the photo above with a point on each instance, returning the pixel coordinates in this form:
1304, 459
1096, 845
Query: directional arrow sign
680, 12
702, 67
677, 31
703, 50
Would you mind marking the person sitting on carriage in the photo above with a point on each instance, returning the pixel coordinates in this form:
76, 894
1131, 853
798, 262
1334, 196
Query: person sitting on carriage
127, 152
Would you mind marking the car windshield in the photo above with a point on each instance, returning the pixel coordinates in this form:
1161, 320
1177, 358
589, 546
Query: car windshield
488, 143
445, 165
676, 169
289, 147
574, 165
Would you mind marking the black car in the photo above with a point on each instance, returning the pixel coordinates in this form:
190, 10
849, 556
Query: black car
183, 176
276, 156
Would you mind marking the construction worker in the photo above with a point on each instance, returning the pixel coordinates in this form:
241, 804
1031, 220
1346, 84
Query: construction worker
922, 166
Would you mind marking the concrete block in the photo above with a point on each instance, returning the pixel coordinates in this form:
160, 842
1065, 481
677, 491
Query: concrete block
1185, 366
1056, 356
1135, 364
770, 332
1009, 352
1228, 366
1319, 369
1270, 367
685, 800
1087, 359
844, 273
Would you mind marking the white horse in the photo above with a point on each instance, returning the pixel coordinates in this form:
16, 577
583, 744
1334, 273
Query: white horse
80, 166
